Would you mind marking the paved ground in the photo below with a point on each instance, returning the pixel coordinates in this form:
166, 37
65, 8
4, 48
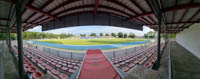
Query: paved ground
185, 64
142, 72
10, 71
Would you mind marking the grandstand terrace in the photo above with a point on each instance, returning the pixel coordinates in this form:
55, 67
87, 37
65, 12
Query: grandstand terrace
167, 58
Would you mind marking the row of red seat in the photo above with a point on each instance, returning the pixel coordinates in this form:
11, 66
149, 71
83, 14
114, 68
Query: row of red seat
29, 67
126, 62
58, 66
153, 58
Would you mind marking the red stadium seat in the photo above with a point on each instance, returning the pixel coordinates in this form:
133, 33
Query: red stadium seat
73, 63
29, 65
117, 65
32, 69
64, 64
69, 62
37, 75
70, 66
58, 66
71, 70
64, 68
79, 64
131, 65
59, 62
148, 65
63, 76
55, 72
48, 67
75, 67
125, 69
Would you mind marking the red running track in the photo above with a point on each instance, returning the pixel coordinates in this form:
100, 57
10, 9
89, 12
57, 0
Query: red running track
97, 66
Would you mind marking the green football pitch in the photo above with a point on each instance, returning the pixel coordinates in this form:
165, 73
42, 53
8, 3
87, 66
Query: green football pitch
104, 41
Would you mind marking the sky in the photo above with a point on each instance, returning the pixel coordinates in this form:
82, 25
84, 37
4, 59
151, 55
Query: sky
92, 29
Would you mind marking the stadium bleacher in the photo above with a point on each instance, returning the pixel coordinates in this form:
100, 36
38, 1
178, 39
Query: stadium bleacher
144, 57
54, 65
63, 68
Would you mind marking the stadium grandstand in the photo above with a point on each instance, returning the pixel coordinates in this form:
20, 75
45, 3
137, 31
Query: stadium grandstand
165, 59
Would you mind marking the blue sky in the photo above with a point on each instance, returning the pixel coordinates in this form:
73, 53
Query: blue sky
93, 29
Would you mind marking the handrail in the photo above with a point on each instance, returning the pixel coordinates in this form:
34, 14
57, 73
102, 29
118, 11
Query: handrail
170, 63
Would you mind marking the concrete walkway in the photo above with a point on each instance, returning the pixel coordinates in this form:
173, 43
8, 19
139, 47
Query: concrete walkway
185, 64
10, 71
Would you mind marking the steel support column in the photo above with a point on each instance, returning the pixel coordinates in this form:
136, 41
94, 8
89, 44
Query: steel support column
9, 39
19, 4
166, 34
158, 39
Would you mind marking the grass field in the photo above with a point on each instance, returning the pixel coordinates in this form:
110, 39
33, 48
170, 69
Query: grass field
91, 41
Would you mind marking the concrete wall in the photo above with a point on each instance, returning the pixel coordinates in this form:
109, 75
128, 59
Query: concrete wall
190, 39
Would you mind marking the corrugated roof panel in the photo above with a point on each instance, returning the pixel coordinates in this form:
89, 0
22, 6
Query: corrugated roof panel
77, 3
168, 3
119, 13
197, 1
129, 12
146, 22
117, 6
186, 25
34, 17
179, 25
39, 3
27, 14
190, 13
5, 6
50, 6
169, 16
88, 2
2, 22
47, 20
131, 5
154, 18
151, 22
144, 5
179, 14
40, 19
180, 2
59, 9
196, 18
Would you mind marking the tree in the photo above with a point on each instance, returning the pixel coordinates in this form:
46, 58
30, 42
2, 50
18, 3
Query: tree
3, 36
145, 35
93, 34
101, 34
120, 35
113, 35
107, 34
131, 35
125, 35
40, 35
150, 34
83, 35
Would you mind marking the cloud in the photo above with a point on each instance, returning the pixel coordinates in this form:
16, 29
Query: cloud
36, 29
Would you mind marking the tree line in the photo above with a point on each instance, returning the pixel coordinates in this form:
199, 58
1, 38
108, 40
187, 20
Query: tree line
35, 35
42, 35
119, 35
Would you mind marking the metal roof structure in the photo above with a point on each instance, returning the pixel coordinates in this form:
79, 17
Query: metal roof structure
177, 14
